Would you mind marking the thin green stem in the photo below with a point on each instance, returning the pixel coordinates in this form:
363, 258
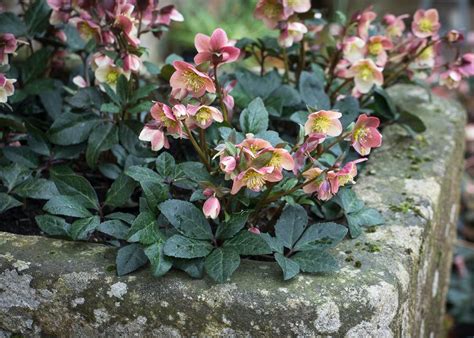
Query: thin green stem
204, 159
220, 96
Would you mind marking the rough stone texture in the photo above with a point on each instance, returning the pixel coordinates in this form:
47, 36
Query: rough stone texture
54, 287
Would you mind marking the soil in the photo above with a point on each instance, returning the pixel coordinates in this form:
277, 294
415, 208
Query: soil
21, 220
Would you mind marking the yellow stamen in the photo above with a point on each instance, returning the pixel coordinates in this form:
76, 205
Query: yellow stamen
275, 161
203, 115
112, 77
365, 73
272, 9
360, 133
425, 25
193, 80
254, 180
375, 48
321, 124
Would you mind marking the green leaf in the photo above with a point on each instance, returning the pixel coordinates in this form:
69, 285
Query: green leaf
21, 155
300, 117
37, 140
120, 191
37, 188
349, 201
85, 98
68, 183
130, 258
349, 108
411, 121
155, 193
143, 174
52, 101
122, 88
291, 225
250, 86
114, 228
247, 243
315, 261
122, 216
186, 218
145, 229
14, 174
312, 91
274, 243
289, 267
254, 119
196, 172
36, 65
384, 105
354, 230
53, 225
144, 106
11, 23
160, 264
184, 247
67, 206
230, 228
321, 235
102, 138
83, 228
110, 108
142, 92
110, 170
166, 165
71, 128
221, 264
37, 17
365, 218
193, 267
7, 202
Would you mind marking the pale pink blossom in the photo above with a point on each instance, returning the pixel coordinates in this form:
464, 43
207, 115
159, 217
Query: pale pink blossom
466, 67
203, 116
211, 208
8, 45
454, 36
271, 12
153, 132
291, 33
132, 62
216, 49
254, 230
165, 117
79, 81
303, 152
324, 122
187, 79
353, 49
426, 58
88, 30
395, 25
366, 74
425, 23
6, 88
377, 48
450, 78
345, 175
227, 164
228, 99
296, 6
364, 20
317, 181
365, 134
255, 179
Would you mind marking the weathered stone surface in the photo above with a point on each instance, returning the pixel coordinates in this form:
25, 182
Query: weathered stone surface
392, 283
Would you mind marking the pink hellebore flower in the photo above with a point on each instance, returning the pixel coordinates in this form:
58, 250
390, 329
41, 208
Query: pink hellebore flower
153, 132
346, 174
271, 12
395, 25
79, 81
255, 179
7, 46
165, 117
216, 49
227, 164
366, 74
425, 23
109, 73
253, 147
454, 36
353, 49
291, 33
364, 21
466, 67
187, 79
88, 30
204, 115
324, 122
227, 98
6, 88
320, 183
377, 47
211, 208
281, 159
303, 152
167, 14
365, 134
132, 63
450, 78
254, 230
296, 6
426, 59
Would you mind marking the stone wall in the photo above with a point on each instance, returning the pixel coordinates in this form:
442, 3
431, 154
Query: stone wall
392, 283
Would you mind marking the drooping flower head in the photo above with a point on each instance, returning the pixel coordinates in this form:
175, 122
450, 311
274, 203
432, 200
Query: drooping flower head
270, 11
187, 79
395, 25
203, 116
88, 30
364, 20
450, 78
466, 66
166, 118
109, 73
319, 182
353, 49
324, 122
153, 132
365, 135
212, 207
6, 88
8, 45
255, 179
425, 23
345, 175
296, 6
303, 152
377, 48
366, 74
216, 49
291, 33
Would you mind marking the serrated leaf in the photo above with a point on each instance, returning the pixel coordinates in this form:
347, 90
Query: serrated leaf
315, 261
7, 202
221, 264
155, 193
186, 218
247, 243
102, 138
289, 267
37, 188
145, 229
165, 165
254, 119
83, 228
120, 191
184, 247
230, 228
130, 258
291, 225
53, 225
322, 235
67, 206
160, 264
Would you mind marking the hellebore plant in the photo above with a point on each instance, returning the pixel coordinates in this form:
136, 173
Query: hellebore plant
248, 149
